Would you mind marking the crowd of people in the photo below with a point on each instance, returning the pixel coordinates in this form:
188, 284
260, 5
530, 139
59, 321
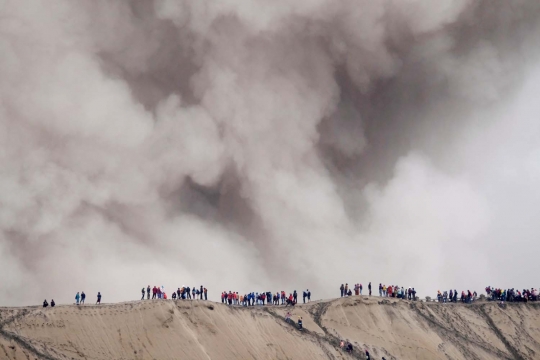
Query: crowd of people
452, 296
493, 294
281, 297
183, 293
256, 298
397, 292
384, 291
512, 295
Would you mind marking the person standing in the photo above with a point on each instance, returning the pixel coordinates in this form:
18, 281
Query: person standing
83, 296
360, 289
342, 289
369, 288
346, 289
148, 293
201, 293
205, 294
143, 291
295, 296
98, 302
77, 297
308, 295
194, 293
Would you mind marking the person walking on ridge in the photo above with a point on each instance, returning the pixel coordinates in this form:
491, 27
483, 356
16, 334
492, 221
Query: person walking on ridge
148, 293
77, 297
98, 302
83, 296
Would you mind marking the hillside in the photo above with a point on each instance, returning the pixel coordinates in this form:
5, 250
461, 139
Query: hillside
166, 329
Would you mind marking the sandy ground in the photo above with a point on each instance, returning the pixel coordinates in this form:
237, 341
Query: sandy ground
165, 329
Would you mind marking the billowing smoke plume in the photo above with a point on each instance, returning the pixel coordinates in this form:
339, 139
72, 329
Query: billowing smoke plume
267, 145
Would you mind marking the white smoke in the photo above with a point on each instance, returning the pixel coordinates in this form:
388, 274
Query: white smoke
267, 145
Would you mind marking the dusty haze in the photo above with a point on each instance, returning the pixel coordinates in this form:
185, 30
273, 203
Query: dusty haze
267, 145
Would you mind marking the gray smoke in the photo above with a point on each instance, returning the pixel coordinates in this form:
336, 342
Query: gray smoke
267, 145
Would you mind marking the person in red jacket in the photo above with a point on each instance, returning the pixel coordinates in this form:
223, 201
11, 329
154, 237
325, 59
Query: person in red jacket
154, 292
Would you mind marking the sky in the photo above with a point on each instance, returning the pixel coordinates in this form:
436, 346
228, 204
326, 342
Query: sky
267, 146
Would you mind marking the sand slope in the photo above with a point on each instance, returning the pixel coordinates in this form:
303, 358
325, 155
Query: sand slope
203, 330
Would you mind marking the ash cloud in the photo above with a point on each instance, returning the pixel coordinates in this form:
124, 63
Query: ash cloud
267, 145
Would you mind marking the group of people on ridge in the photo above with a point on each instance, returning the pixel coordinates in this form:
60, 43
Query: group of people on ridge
512, 295
346, 291
397, 292
390, 291
466, 297
183, 293
255, 298
45, 303
79, 299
